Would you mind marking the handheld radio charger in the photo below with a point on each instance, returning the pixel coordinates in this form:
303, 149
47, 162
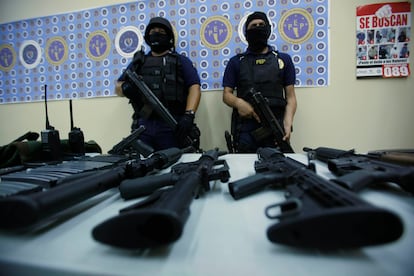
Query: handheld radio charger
51, 149
76, 138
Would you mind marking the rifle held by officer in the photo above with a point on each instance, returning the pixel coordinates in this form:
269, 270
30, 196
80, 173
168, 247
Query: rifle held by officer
156, 105
357, 171
317, 213
132, 143
159, 219
25, 210
271, 126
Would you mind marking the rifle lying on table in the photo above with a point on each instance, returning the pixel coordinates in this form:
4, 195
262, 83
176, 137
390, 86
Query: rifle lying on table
271, 126
159, 219
156, 105
25, 210
318, 213
357, 171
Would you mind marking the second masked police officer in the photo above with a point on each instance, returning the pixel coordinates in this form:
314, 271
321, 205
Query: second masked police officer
173, 79
267, 71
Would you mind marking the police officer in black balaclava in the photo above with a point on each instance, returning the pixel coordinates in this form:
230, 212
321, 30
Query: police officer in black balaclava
263, 69
159, 35
257, 31
173, 79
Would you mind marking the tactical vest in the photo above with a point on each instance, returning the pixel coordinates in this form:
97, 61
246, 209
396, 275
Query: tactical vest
163, 76
262, 72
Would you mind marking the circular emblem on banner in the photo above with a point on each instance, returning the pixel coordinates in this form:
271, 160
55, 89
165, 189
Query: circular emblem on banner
30, 54
98, 45
216, 32
128, 40
7, 57
240, 28
56, 50
296, 26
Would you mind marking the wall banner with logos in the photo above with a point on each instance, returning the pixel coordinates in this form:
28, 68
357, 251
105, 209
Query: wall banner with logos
81, 54
382, 40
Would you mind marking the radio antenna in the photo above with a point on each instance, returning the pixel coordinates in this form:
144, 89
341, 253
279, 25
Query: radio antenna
48, 126
51, 150
71, 114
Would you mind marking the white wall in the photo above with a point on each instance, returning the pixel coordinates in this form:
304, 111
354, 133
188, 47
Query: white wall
349, 113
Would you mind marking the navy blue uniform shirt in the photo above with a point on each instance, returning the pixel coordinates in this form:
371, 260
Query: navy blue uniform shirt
231, 73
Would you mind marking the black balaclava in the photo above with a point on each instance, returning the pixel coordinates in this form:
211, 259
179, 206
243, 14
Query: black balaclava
159, 42
257, 36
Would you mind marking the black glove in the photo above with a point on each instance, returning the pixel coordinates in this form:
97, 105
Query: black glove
185, 125
130, 92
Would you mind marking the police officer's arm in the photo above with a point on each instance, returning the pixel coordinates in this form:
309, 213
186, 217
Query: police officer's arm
243, 107
193, 99
118, 88
289, 111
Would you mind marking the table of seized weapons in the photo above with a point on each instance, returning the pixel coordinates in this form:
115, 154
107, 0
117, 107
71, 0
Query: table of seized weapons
222, 236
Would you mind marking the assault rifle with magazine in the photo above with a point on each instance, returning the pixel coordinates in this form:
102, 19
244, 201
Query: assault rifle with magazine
271, 126
357, 171
317, 213
154, 104
159, 219
18, 211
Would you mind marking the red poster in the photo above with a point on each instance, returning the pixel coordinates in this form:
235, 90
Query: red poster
382, 40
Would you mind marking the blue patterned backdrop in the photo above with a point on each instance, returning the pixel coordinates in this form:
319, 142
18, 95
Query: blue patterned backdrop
80, 54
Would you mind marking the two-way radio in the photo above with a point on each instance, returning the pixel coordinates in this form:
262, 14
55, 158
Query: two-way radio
76, 138
51, 149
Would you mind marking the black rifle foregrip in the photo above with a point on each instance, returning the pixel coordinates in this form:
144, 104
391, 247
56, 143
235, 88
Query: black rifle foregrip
355, 181
168, 156
133, 188
252, 184
325, 154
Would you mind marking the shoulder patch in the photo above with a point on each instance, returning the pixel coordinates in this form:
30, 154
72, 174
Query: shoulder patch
281, 63
279, 60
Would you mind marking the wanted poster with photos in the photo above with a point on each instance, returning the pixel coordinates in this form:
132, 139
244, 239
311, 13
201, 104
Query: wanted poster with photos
383, 40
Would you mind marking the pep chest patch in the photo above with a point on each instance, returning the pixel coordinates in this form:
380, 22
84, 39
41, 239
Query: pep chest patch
260, 61
263, 61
